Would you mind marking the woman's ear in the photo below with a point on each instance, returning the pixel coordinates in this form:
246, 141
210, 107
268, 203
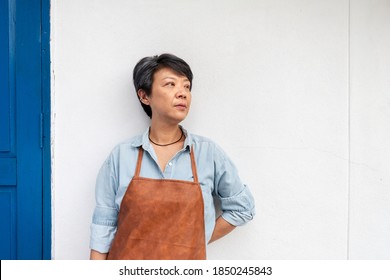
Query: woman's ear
143, 97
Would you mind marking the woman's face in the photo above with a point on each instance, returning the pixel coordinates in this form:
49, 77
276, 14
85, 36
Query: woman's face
170, 98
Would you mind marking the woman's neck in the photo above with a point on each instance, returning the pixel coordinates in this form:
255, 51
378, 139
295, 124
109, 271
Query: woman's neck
164, 133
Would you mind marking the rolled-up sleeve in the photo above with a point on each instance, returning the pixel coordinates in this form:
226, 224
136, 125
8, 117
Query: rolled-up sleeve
104, 220
237, 202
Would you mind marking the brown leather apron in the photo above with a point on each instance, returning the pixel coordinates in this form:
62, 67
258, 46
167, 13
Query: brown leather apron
160, 219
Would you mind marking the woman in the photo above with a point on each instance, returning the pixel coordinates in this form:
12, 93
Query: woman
167, 211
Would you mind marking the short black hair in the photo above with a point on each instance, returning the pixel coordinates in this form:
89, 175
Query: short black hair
147, 66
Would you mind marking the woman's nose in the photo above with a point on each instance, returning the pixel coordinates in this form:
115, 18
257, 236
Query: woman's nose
182, 93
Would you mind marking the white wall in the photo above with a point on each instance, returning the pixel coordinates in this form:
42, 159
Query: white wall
276, 85
370, 130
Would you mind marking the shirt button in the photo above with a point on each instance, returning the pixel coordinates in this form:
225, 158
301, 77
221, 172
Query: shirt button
170, 164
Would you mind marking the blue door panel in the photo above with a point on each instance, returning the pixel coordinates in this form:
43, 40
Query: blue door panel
4, 74
7, 171
24, 225
8, 219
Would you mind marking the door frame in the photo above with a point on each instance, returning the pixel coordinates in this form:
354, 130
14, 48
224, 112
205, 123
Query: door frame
33, 99
46, 133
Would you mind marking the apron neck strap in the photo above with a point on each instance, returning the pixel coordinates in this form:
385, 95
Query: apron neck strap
139, 161
193, 164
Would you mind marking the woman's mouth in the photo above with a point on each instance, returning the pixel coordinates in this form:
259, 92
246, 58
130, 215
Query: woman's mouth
181, 106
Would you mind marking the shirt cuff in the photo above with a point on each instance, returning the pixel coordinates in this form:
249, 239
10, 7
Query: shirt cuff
238, 209
237, 218
101, 237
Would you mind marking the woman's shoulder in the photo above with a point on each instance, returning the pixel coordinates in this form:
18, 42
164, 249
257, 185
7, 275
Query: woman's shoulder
127, 145
206, 143
201, 139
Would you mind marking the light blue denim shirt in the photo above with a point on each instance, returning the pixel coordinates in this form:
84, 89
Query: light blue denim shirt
217, 174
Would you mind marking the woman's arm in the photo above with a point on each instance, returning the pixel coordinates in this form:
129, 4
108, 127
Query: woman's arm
222, 228
104, 219
95, 255
236, 201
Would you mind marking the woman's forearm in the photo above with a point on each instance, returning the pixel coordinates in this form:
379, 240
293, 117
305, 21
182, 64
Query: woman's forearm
95, 255
222, 227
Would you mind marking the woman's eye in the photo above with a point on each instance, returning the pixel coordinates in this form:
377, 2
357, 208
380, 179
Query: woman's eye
171, 84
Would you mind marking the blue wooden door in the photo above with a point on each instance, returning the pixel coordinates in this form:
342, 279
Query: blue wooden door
24, 201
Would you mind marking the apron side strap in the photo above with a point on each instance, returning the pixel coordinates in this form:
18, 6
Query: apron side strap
139, 161
193, 165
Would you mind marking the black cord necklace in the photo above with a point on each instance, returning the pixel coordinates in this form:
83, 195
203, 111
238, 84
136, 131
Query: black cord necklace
163, 145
